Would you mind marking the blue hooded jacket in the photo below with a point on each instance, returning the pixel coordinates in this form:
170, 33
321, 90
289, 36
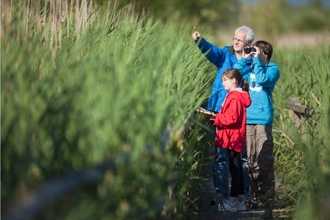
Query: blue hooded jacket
223, 58
262, 80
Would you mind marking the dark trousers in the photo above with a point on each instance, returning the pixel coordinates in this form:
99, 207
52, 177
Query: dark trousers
236, 172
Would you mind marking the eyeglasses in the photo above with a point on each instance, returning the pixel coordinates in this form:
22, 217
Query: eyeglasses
238, 40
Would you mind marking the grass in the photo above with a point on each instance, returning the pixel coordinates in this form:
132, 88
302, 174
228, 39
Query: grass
82, 84
109, 82
302, 151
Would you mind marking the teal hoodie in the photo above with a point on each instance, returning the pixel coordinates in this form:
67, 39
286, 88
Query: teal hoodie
262, 80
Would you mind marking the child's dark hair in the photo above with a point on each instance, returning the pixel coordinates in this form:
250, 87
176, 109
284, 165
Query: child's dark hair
265, 47
235, 74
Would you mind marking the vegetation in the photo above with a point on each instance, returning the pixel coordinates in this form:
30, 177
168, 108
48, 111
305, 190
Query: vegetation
105, 94
303, 149
80, 91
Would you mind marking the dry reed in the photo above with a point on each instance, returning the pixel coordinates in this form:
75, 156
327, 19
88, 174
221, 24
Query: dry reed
51, 19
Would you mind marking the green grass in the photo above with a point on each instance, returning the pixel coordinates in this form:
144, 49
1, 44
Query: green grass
303, 151
115, 86
101, 83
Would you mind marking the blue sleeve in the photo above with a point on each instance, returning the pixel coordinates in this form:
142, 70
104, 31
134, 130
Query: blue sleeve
266, 76
241, 65
213, 53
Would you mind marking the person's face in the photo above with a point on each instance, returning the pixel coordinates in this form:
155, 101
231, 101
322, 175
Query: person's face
228, 84
239, 41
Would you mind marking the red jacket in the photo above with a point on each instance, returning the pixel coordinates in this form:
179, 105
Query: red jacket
230, 122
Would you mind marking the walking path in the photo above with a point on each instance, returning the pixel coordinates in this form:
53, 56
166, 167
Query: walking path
209, 212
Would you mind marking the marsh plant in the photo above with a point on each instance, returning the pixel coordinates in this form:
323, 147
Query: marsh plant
302, 144
82, 85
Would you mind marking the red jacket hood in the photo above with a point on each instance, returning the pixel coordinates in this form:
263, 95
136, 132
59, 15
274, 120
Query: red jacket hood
243, 96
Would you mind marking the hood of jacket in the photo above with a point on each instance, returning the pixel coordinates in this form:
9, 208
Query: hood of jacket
241, 95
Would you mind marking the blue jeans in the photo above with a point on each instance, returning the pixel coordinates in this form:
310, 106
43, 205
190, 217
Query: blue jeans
220, 172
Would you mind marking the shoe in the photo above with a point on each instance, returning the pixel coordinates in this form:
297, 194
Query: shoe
255, 203
226, 206
241, 206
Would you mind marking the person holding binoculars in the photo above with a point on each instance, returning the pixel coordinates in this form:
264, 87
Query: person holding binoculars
262, 78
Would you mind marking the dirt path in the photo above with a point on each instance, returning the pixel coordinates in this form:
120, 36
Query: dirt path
209, 212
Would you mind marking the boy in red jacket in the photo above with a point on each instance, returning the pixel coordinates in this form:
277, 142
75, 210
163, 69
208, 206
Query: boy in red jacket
230, 125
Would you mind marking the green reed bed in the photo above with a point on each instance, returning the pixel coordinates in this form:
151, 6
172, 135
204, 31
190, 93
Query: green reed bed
303, 149
81, 86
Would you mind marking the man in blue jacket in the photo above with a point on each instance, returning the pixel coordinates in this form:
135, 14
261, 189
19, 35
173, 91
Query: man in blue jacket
223, 58
262, 78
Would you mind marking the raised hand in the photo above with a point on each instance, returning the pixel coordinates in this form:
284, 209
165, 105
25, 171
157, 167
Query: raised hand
196, 35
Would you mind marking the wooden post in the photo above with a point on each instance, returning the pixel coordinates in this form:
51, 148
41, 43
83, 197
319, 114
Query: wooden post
298, 112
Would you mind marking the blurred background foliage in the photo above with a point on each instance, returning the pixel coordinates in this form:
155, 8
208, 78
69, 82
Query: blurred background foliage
269, 18
86, 83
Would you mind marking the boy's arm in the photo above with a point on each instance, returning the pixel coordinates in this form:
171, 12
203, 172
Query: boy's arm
241, 66
265, 75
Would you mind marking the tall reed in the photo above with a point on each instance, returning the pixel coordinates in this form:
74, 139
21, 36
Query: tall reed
81, 85
303, 150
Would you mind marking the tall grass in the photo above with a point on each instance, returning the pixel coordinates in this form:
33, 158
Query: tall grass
80, 85
303, 152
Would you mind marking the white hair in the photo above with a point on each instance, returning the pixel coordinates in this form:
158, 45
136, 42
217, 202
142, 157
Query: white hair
249, 33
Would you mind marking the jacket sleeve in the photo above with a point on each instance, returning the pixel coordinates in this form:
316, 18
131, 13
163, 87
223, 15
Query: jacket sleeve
213, 53
241, 66
231, 116
265, 76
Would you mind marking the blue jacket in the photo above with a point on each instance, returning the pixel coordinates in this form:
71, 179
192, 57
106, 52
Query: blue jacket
262, 80
223, 58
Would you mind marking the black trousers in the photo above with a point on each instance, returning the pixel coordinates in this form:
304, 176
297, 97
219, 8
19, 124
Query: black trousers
236, 171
